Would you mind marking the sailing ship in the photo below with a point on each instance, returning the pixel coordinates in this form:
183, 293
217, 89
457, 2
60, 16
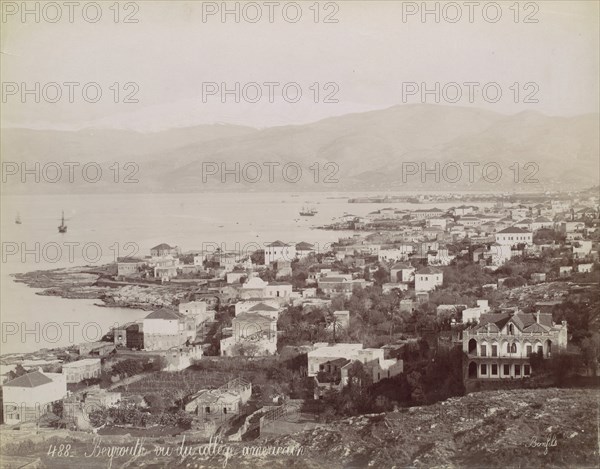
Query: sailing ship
62, 228
18, 219
308, 212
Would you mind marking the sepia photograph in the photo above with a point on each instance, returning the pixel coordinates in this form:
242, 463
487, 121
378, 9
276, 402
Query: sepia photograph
301, 234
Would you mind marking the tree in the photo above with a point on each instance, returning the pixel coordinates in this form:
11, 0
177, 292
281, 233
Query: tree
590, 351
334, 323
258, 257
155, 402
160, 363
128, 367
246, 349
381, 276
18, 371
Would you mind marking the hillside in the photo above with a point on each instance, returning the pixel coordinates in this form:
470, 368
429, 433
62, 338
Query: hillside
370, 150
481, 430
487, 429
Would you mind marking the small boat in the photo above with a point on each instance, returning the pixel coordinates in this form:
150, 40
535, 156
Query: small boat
62, 228
18, 219
308, 212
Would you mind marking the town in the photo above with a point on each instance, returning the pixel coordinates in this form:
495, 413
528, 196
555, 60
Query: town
415, 307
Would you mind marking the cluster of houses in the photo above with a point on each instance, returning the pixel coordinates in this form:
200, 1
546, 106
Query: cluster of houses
417, 246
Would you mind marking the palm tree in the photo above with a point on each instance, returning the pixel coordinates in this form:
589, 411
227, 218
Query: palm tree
332, 320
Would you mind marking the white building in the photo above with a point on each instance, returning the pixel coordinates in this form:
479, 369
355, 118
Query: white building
304, 249
30, 396
337, 359
473, 314
428, 279
500, 345
439, 257
253, 335
584, 268
278, 290
582, 248
164, 329
395, 254
514, 235
402, 272
437, 222
324, 352
79, 370
279, 251
198, 310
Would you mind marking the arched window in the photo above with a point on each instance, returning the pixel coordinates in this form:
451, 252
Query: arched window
513, 348
507, 348
511, 329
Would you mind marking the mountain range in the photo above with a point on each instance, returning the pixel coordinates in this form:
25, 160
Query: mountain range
386, 149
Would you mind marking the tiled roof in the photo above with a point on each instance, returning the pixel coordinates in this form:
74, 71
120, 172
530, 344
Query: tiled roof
333, 279
524, 321
252, 317
277, 244
513, 229
30, 380
428, 271
262, 307
161, 246
164, 313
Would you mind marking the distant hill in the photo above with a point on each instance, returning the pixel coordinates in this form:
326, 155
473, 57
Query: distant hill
372, 151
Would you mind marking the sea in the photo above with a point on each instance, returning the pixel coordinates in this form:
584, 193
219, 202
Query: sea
102, 227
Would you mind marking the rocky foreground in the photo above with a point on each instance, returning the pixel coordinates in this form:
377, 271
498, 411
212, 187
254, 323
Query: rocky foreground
522, 428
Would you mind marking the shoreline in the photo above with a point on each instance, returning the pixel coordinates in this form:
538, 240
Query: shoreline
94, 283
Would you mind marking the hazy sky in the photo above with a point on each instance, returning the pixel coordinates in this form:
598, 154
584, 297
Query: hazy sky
367, 55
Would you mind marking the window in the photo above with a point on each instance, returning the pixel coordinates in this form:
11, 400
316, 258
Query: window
483, 350
526, 370
517, 370
483, 369
494, 350
495, 370
507, 348
506, 370
529, 350
513, 348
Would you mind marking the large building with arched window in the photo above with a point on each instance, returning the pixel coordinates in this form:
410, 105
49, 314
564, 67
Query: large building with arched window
499, 346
